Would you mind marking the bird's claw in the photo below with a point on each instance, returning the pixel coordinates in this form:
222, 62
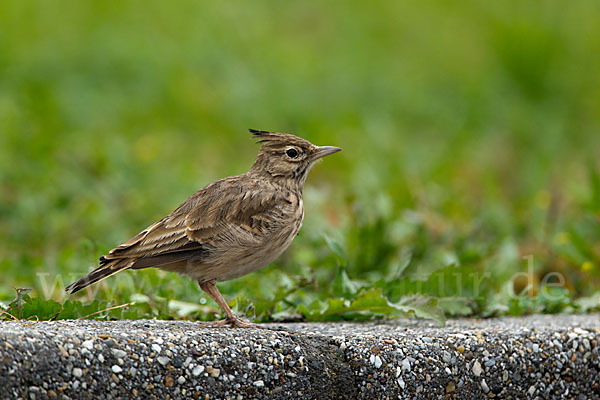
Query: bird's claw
213, 324
235, 322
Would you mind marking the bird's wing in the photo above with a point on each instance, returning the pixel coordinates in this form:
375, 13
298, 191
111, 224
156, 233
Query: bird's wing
238, 214
222, 209
225, 211
165, 236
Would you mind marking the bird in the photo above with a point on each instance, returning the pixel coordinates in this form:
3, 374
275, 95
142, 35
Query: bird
227, 229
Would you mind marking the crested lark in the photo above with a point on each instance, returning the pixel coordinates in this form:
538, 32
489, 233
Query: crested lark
230, 227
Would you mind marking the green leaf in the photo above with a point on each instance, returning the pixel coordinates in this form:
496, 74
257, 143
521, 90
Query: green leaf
72, 309
15, 307
343, 286
336, 306
336, 248
372, 303
457, 306
185, 308
42, 310
589, 304
423, 307
241, 305
372, 300
313, 310
265, 307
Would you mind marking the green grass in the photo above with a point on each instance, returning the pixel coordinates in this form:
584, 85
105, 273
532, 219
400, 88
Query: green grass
471, 137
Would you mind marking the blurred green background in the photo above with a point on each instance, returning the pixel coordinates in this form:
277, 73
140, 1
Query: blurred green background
471, 137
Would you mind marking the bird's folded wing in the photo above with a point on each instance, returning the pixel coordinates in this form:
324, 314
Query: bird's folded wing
217, 214
243, 215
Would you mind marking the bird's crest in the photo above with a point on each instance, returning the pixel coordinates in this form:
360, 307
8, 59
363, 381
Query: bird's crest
264, 136
277, 138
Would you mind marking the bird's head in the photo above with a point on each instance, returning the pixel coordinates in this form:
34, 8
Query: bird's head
285, 156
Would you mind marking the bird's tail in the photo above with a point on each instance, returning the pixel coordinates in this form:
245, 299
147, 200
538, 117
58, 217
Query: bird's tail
107, 268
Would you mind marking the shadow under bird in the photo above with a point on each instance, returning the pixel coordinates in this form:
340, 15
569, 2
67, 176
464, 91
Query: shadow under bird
230, 227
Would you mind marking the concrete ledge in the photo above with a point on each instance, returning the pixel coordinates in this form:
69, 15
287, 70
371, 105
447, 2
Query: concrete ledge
535, 357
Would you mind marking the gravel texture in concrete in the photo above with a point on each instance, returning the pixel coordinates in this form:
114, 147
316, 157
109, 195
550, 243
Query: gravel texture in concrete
541, 357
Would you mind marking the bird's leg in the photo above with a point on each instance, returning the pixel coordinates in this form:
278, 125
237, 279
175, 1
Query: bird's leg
210, 287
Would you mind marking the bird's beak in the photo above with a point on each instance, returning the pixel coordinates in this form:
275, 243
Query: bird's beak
325, 151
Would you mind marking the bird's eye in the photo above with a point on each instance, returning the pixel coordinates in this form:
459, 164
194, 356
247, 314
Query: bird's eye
291, 153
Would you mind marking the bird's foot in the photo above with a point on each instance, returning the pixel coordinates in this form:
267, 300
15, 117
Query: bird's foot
235, 322
213, 324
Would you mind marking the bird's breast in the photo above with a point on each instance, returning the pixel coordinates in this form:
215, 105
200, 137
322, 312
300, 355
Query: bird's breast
249, 248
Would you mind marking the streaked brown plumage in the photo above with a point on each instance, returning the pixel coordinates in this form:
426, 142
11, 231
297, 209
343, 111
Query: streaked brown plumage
230, 227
